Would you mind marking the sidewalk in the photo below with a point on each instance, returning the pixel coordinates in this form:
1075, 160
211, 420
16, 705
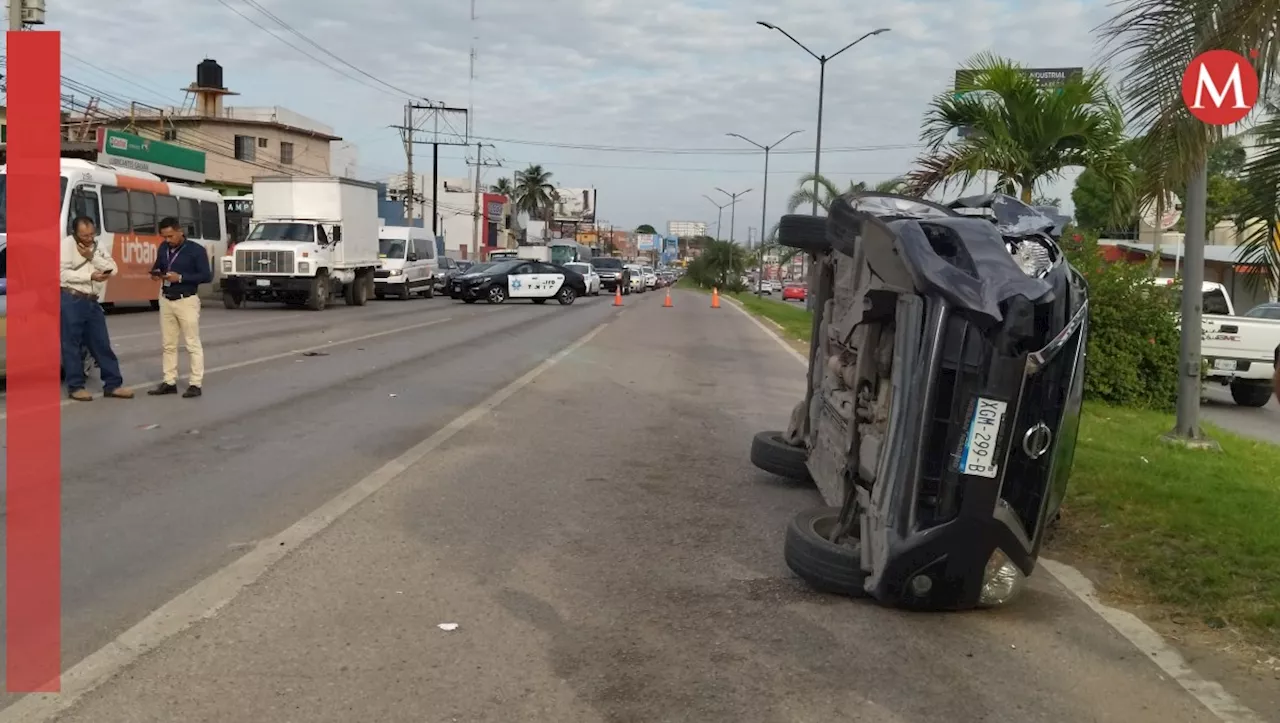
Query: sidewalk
608, 553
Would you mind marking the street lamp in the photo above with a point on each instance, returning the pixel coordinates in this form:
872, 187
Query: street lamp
764, 201
822, 85
733, 210
719, 212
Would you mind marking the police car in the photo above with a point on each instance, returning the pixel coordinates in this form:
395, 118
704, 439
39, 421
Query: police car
518, 279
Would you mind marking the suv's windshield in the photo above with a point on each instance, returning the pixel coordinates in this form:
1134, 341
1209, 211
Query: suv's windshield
607, 263
283, 231
391, 248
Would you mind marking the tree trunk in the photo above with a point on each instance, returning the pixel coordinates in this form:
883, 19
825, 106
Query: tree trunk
1027, 190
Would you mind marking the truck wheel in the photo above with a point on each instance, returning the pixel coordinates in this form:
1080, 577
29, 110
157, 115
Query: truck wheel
355, 293
812, 556
772, 454
155, 304
230, 300
379, 295
403, 292
1251, 394
807, 233
318, 294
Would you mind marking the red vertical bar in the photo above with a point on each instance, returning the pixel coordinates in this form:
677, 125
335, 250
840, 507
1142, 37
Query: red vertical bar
33, 543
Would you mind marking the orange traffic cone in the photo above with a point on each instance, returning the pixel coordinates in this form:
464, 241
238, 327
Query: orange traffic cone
667, 304
617, 295
715, 298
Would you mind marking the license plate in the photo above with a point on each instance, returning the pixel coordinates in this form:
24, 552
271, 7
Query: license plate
979, 455
264, 282
1224, 365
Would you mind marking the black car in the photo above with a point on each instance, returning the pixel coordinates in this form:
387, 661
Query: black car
495, 282
446, 269
943, 401
612, 274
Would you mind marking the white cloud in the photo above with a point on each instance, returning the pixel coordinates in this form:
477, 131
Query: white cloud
667, 73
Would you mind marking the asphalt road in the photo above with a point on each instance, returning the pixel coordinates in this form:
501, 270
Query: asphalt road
148, 510
598, 537
1263, 423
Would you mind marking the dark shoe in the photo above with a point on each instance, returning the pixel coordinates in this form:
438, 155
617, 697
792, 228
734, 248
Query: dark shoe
192, 391
81, 395
163, 389
119, 393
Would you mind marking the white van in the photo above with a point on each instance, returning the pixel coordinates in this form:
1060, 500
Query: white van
408, 256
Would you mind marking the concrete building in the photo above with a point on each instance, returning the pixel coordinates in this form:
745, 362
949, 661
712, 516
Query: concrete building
239, 142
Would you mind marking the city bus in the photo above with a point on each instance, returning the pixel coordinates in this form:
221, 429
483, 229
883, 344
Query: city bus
127, 205
239, 210
563, 252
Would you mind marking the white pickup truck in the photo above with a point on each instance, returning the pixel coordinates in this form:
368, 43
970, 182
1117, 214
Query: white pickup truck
1239, 351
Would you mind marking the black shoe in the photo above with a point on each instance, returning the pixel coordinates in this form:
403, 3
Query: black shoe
163, 389
192, 391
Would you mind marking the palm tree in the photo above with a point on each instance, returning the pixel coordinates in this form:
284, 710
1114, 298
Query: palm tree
534, 192
504, 187
1017, 130
828, 190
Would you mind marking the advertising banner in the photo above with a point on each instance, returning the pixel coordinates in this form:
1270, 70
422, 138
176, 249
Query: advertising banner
575, 205
646, 242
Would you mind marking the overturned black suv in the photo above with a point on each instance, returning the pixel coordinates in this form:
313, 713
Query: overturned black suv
945, 380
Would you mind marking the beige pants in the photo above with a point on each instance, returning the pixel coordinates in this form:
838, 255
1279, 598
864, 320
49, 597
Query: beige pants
181, 318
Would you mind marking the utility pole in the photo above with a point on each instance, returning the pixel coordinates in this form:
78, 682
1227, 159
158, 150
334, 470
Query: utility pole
475, 192
436, 112
733, 207
407, 135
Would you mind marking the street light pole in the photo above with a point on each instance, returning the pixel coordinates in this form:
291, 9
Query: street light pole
764, 201
822, 87
733, 207
719, 213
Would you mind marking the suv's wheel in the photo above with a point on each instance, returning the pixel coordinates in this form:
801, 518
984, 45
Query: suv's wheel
771, 453
812, 556
1251, 394
807, 233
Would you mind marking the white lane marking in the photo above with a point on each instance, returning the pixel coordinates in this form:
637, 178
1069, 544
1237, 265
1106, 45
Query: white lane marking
206, 327
283, 355
204, 599
1211, 695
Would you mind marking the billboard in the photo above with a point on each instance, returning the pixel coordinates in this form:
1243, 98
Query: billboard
1045, 77
126, 150
575, 205
646, 242
686, 229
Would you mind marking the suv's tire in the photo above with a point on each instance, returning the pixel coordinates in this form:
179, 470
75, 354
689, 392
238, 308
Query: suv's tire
814, 559
807, 233
770, 453
1251, 394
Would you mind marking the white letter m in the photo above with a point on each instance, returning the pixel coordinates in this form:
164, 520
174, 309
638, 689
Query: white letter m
1206, 83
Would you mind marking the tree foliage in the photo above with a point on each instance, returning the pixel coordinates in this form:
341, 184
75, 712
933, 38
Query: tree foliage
534, 192
1018, 130
720, 265
645, 228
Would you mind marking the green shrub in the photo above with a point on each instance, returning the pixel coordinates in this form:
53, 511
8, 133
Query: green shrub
1133, 329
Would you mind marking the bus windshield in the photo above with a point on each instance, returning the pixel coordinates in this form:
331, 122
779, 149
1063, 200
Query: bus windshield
564, 254
4, 200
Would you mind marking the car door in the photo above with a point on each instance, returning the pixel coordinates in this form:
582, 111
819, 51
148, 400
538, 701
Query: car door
550, 279
521, 280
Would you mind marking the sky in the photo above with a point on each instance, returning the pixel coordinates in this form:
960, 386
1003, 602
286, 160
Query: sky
634, 99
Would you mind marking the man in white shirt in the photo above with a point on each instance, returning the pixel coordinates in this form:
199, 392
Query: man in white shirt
85, 267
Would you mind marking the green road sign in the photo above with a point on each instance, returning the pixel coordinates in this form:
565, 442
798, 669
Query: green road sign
117, 148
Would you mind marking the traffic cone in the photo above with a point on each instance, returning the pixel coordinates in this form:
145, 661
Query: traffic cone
667, 304
715, 298
617, 295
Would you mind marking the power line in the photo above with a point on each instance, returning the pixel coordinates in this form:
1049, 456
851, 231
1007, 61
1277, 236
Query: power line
257, 6
339, 71
693, 151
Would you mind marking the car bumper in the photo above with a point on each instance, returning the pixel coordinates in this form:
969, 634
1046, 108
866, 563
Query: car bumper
266, 285
468, 291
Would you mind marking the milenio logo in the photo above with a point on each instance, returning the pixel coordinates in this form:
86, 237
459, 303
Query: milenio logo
1220, 87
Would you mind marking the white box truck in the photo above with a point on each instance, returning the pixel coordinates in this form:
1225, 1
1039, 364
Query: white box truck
310, 239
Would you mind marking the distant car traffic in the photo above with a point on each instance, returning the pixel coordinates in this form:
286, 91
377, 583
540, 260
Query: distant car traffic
518, 279
650, 279
447, 269
613, 273
589, 276
635, 275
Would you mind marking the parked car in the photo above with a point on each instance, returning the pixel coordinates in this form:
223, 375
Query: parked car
794, 292
589, 276
518, 279
613, 273
446, 269
943, 400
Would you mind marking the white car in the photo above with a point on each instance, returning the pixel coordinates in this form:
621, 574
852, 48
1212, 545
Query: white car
775, 285
637, 278
650, 278
589, 275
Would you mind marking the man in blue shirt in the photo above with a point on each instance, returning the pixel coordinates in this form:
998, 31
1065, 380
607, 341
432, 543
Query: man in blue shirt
181, 266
